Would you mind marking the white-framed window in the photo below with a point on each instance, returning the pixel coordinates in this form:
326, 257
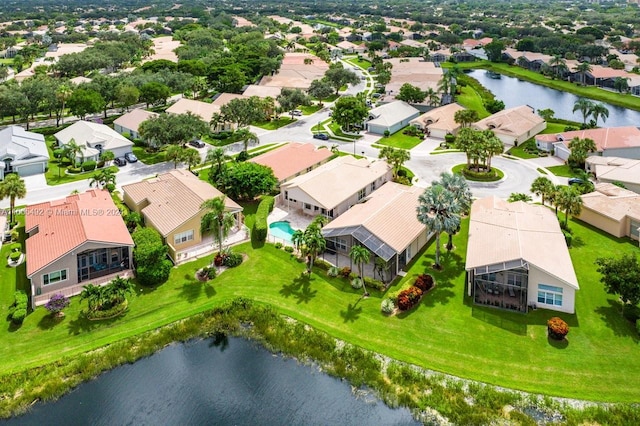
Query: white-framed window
54, 277
341, 244
362, 193
307, 206
183, 237
549, 295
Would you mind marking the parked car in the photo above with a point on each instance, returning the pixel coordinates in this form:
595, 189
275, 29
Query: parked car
322, 136
296, 112
120, 161
575, 181
197, 143
130, 157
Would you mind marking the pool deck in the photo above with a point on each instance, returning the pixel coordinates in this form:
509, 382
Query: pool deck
295, 219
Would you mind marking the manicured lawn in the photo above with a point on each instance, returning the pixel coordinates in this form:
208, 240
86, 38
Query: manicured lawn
400, 140
497, 175
520, 151
310, 109
335, 128
362, 63
274, 124
470, 99
563, 170
445, 332
149, 157
56, 175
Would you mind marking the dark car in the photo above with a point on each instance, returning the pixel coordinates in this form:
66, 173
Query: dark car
130, 157
322, 136
120, 161
197, 143
575, 181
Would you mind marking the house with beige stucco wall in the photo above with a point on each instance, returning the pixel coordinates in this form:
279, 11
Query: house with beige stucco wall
612, 209
517, 258
171, 203
513, 126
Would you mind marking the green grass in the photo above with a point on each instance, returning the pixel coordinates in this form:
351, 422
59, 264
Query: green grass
563, 170
400, 140
274, 124
495, 176
470, 99
320, 126
149, 157
249, 209
445, 332
56, 175
520, 151
362, 63
541, 171
310, 109
335, 128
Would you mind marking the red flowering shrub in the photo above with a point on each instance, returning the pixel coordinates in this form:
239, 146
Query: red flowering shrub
218, 260
557, 328
424, 282
408, 298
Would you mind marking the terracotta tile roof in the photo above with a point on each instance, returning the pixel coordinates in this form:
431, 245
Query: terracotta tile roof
513, 121
389, 213
605, 138
133, 118
598, 71
472, 42
65, 224
502, 232
202, 109
292, 158
173, 198
441, 118
612, 201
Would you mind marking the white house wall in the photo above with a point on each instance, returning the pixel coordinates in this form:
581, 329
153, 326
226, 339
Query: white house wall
538, 276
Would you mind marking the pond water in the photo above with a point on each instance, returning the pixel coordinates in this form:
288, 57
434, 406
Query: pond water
514, 92
223, 382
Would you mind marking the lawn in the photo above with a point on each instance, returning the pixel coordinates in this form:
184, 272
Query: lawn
310, 109
445, 332
564, 170
400, 140
335, 128
470, 99
56, 175
274, 124
148, 157
362, 63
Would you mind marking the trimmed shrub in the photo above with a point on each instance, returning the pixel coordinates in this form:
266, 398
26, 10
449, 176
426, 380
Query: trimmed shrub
345, 272
207, 273
408, 298
278, 245
14, 256
568, 238
373, 283
386, 133
232, 260
58, 153
57, 303
260, 227
242, 156
333, 271
322, 264
87, 166
74, 170
387, 306
288, 249
356, 283
638, 326
16, 247
21, 299
449, 138
18, 315
424, 282
150, 255
557, 328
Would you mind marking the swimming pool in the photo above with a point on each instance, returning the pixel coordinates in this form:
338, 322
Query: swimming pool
281, 230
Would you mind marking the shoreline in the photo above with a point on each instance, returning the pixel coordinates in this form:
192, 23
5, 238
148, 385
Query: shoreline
460, 401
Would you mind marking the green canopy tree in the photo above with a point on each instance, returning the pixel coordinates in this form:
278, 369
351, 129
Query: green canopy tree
243, 111
173, 129
395, 157
338, 76
349, 111
314, 244
410, 93
320, 89
217, 158
290, 99
621, 276
542, 187
85, 101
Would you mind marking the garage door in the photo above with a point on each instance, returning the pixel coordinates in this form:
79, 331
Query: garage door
30, 169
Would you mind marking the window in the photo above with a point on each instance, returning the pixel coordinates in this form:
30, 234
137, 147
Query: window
514, 279
307, 206
183, 237
362, 193
549, 295
341, 244
54, 277
373, 186
286, 195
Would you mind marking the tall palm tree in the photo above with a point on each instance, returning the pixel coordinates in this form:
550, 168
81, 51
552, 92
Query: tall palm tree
493, 146
174, 153
216, 221
570, 201
542, 187
583, 68
63, 92
559, 65
12, 187
297, 239
92, 294
432, 97
439, 211
72, 150
360, 256
217, 157
585, 107
458, 186
314, 244
103, 178
598, 110
246, 135
191, 157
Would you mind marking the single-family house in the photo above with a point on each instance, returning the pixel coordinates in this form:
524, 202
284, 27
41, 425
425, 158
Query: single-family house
612, 209
224, 98
390, 117
293, 159
517, 258
171, 203
422, 74
22, 152
78, 240
334, 187
204, 110
514, 125
385, 222
297, 71
94, 139
262, 91
439, 122
130, 122
614, 169
623, 142
348, 47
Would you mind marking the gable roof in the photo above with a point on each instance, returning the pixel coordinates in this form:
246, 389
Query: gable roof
386, 220
518, 233
65, 224
605, 138
133, 118
292, 158
262, 91
88, 134
612, 201
513, 121
20, 144
224, 98
173, 198
441, 118
202, 109
619, 169
392, 113
337, 180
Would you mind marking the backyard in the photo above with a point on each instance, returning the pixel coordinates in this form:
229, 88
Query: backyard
400, 140
445, 332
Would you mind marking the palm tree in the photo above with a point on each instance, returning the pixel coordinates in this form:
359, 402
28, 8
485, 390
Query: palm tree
12, 187
543, 187
103, 178
559, 65
297, 239
492, 146
585, 107
599, 111
432, 97
583, 68
246, 135
174, 153
217, 157
320, 221
580, 149
191, 157
92, 293
570, 201
72, 150
119, 288
465, 117
107, 157
519, 196
314, 244
62, 93
458, 186
395, 157
439, 211
216, 221
360, 256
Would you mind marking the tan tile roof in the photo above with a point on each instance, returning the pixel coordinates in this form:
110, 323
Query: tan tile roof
347, 45
472, 42
612, 201
334, 182
224, 98
262, 91
173, 198
598, 71
605, 138
625, 172
513, 121
66, 224
294, 73
503, 232
202, 109
389, 213
441, 118
133, 118
292, 159
531, 56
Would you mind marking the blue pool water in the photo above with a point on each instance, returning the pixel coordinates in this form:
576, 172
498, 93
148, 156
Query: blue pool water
281, 230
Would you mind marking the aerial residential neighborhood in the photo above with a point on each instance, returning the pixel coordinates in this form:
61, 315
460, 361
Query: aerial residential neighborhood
438, 203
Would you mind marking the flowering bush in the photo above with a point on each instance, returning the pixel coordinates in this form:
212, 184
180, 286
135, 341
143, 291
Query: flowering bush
557, 328
345, 272
408, 298
57, 303
424, 282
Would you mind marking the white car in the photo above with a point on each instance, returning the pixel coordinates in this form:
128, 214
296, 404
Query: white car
296, 113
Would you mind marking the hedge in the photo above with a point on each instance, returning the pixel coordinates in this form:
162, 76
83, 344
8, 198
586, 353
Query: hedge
87, 166
20, 311
260, 227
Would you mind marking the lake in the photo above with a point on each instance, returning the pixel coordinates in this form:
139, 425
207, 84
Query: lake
225, 382
514, 92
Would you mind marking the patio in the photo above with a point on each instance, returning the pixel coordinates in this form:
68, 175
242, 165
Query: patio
502, 290
207, 246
